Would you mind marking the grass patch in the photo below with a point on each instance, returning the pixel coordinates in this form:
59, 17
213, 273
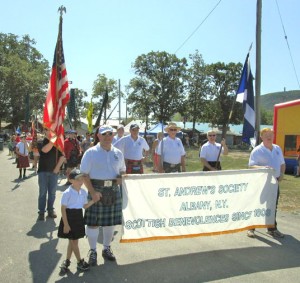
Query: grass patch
238, 159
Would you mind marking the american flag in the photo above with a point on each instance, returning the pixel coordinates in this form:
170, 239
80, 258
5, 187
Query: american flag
58, 95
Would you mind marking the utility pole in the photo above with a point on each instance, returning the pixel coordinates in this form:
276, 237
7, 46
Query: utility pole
258, 69
119, 101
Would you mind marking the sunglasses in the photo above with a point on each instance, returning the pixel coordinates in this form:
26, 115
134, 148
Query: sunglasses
173, 130
211, 135
107, 134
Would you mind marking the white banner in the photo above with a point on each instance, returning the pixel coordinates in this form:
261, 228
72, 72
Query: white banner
176, 205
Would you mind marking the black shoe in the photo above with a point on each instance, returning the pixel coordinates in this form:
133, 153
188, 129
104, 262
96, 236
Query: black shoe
275, 234
82, 265
52, 214
24, 177
41, 217
108, 254
92, 257
65, 266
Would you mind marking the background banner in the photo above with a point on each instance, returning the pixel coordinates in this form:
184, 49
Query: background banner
177, 205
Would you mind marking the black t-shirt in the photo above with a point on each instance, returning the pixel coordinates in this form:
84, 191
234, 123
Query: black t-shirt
48, 161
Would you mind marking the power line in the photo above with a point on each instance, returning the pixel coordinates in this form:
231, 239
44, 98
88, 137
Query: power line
285, 36
197, 27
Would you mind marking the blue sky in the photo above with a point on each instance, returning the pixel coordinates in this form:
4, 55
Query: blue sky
105, 37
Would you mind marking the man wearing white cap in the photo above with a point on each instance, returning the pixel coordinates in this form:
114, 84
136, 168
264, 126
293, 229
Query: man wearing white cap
104, 165
135, 149
171, 153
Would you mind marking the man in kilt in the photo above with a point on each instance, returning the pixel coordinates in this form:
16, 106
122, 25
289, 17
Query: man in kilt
103, 164
135, 149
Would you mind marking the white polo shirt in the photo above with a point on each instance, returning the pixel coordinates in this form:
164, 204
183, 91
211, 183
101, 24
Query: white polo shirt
73, 199
101, 164
262, 156
171, 149
132, 149
210, 151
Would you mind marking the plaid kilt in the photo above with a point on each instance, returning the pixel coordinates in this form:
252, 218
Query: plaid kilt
214, 164
23, 162
75, 219
169, 168
134, 167
102, 215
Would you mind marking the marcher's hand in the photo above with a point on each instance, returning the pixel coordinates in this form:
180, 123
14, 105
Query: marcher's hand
223, 142
119, 180
280, 177
96, 196
67, 229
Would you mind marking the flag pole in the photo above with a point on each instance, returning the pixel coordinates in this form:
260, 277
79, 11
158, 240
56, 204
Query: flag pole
233, 103
104, 102
243, 76
58, 92
258, 68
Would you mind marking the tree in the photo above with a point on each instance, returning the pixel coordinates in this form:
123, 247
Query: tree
23, 71
138, 97
266, 116
224, 80
100, 86
198, 89
159, 85
78, 106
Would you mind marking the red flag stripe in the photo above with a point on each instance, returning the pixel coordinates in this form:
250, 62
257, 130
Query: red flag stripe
58, 95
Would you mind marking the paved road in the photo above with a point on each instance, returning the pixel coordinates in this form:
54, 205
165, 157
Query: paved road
31, 251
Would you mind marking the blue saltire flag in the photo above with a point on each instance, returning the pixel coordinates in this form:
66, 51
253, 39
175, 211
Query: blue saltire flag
18, 130
245, 95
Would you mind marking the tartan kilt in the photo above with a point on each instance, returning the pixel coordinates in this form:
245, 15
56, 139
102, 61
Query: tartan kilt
75, 219
23, 162
103, 215
130, 168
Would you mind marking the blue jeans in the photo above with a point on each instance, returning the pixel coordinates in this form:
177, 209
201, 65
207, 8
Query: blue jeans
47, 184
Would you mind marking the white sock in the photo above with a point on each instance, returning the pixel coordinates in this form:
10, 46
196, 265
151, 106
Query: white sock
108, 233
92, 235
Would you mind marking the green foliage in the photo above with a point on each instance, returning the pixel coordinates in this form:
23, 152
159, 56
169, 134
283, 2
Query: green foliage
266, 117
100, 85
224, 80
198, 89
80, 108
23, 70
158, 87
268, 101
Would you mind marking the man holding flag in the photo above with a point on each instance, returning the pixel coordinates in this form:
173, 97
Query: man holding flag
51, 153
